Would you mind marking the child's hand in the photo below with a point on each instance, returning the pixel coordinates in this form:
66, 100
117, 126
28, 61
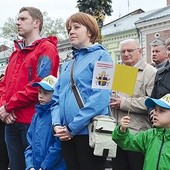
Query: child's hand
124, 123
151, 115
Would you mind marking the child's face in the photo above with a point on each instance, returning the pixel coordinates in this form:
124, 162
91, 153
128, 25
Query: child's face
161, 117
44, 96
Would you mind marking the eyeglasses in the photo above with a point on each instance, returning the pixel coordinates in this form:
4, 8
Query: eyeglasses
128, 50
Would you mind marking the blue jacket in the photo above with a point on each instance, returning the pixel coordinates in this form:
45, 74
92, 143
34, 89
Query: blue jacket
96, 101
44, 149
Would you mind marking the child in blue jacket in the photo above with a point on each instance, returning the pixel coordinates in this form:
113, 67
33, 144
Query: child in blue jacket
44, 150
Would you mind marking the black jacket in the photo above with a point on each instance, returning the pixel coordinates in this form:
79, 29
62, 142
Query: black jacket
162, 82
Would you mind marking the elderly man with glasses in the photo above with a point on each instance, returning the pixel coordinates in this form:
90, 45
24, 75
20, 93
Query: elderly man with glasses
131, 55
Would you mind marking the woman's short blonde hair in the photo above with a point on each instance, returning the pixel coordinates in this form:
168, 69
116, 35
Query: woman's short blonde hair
88, 21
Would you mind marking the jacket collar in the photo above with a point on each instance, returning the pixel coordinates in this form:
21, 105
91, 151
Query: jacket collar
42, 109
19, 44
141, 64
165, 68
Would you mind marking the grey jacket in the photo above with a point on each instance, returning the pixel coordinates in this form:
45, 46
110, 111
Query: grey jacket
143, 89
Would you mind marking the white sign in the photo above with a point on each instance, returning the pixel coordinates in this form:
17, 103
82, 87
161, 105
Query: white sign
103, 75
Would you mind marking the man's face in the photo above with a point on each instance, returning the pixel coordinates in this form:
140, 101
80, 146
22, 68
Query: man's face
158, 54
25, 24
130, 53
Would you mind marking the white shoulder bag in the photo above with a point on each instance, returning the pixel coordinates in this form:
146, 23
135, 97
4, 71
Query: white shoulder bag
100, 128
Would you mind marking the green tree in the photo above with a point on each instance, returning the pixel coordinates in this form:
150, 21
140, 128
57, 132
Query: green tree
96, 8
50, 27
9, 30
54, 27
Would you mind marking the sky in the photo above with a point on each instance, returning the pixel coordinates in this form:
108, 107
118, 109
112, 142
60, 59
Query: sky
64, 8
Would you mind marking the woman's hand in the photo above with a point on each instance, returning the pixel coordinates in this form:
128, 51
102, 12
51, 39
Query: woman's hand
62, 133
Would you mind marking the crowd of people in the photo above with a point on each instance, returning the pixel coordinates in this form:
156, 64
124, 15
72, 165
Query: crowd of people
42, 126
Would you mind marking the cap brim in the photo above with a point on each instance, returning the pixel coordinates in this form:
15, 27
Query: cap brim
151, 103
43, 85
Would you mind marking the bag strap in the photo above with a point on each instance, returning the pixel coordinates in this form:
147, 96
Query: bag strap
77, 93
75, 89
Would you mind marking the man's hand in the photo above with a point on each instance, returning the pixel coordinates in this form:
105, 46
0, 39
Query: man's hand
3, 113
62, 133
11, 118
115, 101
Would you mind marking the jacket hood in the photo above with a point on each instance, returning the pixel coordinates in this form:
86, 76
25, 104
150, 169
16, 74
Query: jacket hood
90, 49
19, 44
42, 109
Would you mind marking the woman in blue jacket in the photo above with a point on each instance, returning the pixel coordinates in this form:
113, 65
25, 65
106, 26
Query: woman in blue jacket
70, 122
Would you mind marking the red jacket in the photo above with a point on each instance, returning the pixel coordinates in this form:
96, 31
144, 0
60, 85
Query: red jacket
26, 66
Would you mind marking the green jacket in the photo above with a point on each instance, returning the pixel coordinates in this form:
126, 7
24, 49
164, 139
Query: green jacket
153, 143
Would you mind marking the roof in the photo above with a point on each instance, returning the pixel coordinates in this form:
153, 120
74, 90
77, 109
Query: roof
123, 23
155, 14
129, 21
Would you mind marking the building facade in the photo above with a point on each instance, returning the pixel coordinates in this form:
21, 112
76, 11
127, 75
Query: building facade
139, 25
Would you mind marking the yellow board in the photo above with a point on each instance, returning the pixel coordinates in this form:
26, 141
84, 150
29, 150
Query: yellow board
124, 79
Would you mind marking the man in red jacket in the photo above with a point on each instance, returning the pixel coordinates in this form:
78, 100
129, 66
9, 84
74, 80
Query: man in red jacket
33, 59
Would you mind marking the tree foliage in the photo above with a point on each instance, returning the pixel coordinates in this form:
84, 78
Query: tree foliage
54, 27
50, 27
9, 30
97, 8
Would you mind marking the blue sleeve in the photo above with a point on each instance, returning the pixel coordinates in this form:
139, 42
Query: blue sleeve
28, 151
54, 155
55, 107
44, 66
96, 104
98, 101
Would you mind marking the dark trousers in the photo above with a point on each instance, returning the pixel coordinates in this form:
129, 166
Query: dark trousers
127, 160
3, 150
79, 155
15, 137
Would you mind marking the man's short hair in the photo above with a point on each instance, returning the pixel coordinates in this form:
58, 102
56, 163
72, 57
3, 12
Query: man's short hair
35, 14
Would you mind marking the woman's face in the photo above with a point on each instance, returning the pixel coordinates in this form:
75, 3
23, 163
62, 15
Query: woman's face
79, 36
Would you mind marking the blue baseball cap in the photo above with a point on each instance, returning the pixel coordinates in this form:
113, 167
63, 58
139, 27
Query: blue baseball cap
47, 83
162, 102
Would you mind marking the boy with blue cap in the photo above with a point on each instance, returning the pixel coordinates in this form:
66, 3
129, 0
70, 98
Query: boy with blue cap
44, 150
153, 143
